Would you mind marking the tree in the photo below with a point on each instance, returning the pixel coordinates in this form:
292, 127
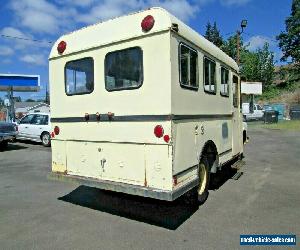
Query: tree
258, 66
212, 34
230, 46
208, 32
217, 38
290, 39
289, 43
30, 100
17, 99
266, 65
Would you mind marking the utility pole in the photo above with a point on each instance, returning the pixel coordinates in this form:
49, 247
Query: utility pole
238, 41
47, 95
11, 107
238, 46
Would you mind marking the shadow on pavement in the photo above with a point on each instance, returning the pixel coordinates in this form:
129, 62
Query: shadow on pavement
29, 142
221, 177
12, 147
169, 215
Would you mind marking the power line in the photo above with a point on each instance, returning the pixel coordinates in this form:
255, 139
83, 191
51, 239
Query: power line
25, 39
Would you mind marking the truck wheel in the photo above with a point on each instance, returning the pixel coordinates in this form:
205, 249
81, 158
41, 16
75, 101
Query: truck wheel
3, 144
204, 178
46, 139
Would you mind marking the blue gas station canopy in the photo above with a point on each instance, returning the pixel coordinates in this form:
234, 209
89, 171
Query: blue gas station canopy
22, 83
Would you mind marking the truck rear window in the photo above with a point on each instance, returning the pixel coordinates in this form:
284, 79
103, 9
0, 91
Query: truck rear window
79, 76
188, 67
124, 69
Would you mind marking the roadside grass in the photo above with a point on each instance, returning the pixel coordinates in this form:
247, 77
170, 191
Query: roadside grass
281, 125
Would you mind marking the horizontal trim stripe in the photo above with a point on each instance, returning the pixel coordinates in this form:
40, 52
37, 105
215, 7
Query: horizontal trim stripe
138, 118
112, 142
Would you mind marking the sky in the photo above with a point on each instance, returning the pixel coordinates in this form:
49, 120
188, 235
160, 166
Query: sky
47, 20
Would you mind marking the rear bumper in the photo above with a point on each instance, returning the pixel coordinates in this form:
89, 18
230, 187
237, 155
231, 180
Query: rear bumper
125, 188
7, 137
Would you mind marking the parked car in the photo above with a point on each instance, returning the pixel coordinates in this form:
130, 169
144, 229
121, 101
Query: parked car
35, 127
8, 132
256, 114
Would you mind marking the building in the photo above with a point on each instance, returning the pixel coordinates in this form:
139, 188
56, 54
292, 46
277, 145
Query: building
23, 108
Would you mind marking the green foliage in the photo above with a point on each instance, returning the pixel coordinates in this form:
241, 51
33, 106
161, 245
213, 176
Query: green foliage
213, 34
271, 93
291, 77
258, 66
230, 46
290, 39
289, 43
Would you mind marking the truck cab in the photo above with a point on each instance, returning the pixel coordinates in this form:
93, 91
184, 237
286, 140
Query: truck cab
252, 113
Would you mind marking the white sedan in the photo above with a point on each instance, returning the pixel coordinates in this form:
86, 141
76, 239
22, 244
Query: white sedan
35, 127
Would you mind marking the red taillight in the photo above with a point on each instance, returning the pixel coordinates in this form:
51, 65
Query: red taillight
159, 131
56, 130
147, 23
52, 135
166, 138
61, 47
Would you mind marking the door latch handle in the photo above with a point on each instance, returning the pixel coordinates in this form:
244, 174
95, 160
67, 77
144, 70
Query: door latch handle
102, 162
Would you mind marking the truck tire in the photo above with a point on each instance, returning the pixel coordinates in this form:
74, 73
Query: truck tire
204, 178
46, 141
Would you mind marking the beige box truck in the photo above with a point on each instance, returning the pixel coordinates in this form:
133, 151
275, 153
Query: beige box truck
142, 104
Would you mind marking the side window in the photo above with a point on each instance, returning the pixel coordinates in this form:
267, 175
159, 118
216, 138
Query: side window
188, 58
124, 69
39, 120
79, 76
235, 89
224, 82
27, 119
209, 76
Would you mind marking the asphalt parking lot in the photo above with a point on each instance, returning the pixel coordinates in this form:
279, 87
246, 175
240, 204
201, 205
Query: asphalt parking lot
37, 213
